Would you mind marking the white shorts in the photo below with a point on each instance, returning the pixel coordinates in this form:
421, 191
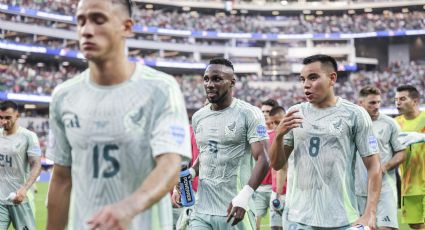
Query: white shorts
275, 216
386, 213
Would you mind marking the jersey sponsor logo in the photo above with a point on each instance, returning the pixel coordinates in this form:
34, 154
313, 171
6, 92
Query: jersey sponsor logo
230, 129
70, 120
373, 143
261, 131
177, 133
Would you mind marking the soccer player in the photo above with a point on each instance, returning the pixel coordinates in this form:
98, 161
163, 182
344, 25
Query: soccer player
263, 192
412, 171
121, 130
278, 177
229, 134
20, 166
323, 135
391, 153
266, 107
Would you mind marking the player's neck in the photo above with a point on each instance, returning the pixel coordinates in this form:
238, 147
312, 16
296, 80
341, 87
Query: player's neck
111, 72
412, 114
11, 131
222, 105
327, 102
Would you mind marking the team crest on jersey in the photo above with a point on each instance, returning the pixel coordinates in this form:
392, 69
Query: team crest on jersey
230, 129
336, 127
261, 131
135, 119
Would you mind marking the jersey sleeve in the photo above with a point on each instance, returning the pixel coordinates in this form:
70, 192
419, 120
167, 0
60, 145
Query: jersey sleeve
394, 140
33, 149
60, 148
364, 138
257, 130
170, 132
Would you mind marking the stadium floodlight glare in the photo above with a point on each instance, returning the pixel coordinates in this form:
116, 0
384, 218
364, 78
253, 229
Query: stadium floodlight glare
284, 2
351, 11
306, 11
405, 10
30, 106
234, 12
319, 12
186, 8
243, 11
148, 6
275, 12
368, 10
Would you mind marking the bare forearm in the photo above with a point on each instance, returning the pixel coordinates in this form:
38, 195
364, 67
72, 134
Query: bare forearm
374, 187
153, 188
259, 172
35, 167
280, 179
58, 199
397, 159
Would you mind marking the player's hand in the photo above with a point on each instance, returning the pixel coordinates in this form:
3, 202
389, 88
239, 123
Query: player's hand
237, 213
112, 217
175, 197
367, 220
20, 195
410, 138
290, 121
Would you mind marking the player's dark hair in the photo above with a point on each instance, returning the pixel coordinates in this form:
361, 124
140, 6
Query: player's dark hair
270, 102
413, 92
5, 105
324, 59
128, 4
369, 90
221, 61
276, 110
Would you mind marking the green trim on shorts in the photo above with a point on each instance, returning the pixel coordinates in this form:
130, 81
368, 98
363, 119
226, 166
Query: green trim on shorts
155, 218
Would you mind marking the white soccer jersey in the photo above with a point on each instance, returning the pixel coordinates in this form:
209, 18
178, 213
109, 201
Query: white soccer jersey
223, 138
14, 166
110, 136
322, 182
386, 131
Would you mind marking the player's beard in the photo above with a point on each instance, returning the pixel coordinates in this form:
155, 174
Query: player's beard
219, 99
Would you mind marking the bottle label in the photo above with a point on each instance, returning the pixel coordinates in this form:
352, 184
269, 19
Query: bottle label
186, 187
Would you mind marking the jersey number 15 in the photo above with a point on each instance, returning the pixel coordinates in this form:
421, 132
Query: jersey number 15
107, 157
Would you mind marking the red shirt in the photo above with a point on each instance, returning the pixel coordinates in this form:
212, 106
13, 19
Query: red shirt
195, 153
272, 134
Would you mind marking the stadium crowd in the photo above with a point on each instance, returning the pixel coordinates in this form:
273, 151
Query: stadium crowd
197, 21
32, 79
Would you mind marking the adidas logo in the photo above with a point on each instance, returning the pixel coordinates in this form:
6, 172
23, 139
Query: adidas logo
386, 219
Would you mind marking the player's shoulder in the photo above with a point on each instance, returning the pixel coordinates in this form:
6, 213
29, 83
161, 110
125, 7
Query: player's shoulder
156, 78
246, 108
70, 84
201, 112
387, 119
26, 132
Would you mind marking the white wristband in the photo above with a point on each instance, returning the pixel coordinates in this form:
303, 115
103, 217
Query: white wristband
192, 173
242, 199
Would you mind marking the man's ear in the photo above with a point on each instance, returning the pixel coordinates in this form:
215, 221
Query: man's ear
128, 28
